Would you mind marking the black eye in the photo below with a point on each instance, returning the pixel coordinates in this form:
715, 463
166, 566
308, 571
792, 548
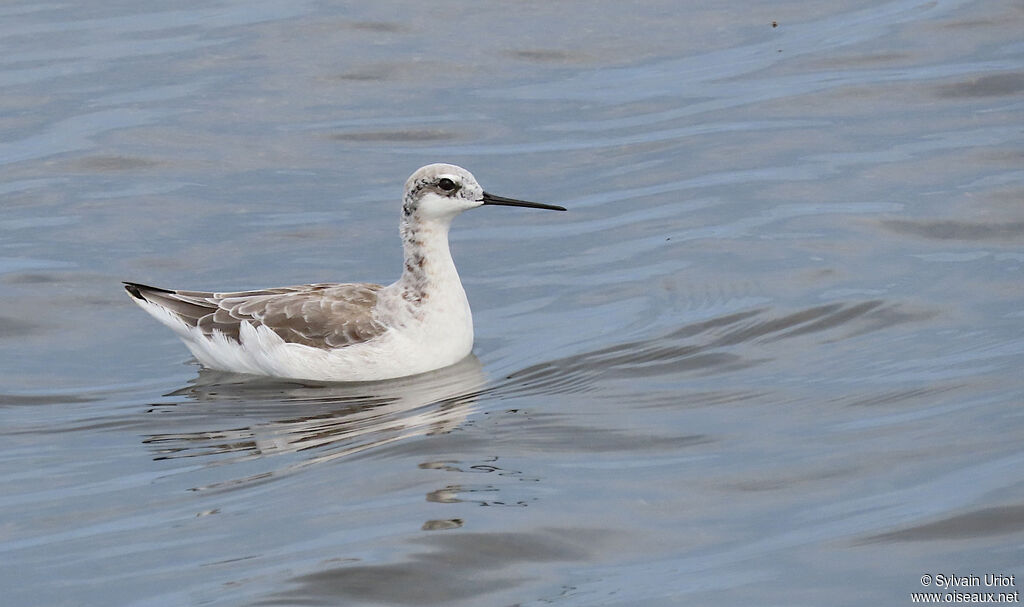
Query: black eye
447, 185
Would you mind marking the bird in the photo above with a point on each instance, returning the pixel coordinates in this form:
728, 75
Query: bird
346, 332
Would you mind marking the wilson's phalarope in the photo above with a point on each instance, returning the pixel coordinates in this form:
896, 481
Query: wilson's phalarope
346, 332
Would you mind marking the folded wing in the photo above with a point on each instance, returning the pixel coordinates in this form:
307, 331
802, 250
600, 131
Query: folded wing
318, 315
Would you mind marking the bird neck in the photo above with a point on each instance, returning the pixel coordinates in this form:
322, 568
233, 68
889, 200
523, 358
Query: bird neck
428, 263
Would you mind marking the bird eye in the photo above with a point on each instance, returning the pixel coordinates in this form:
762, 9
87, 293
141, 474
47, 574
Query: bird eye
447, 185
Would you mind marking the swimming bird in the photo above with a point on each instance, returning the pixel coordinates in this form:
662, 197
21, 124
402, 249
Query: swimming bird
348, 331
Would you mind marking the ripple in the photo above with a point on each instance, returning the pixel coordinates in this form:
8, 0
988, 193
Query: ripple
991, 85
957, 230
106, 164
409, 135
481, 557
17, 328
712, 346
538, 55
999, 520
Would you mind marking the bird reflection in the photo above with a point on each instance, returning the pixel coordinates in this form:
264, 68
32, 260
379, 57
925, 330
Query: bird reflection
234, 416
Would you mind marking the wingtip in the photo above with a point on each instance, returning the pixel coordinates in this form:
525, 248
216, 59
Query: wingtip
136, 289
133, 290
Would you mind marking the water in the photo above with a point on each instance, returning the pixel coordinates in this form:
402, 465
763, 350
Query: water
770, 356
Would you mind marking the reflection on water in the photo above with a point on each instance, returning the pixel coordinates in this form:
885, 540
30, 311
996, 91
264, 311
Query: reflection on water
475, 493
328, 420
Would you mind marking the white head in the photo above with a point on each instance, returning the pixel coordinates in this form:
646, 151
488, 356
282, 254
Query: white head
442, 191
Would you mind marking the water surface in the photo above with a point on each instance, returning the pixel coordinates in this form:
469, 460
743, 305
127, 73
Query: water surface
771, 355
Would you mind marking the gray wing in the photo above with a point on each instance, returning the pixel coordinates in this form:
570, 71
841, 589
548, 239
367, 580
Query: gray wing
319, 315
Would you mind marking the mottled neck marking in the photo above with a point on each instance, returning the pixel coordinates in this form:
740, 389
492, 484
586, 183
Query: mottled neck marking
415, 275
428, 265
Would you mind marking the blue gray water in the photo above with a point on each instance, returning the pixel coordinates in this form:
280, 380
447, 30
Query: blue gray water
772, 355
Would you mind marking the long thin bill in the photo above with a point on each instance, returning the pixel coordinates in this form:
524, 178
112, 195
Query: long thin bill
512, 202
